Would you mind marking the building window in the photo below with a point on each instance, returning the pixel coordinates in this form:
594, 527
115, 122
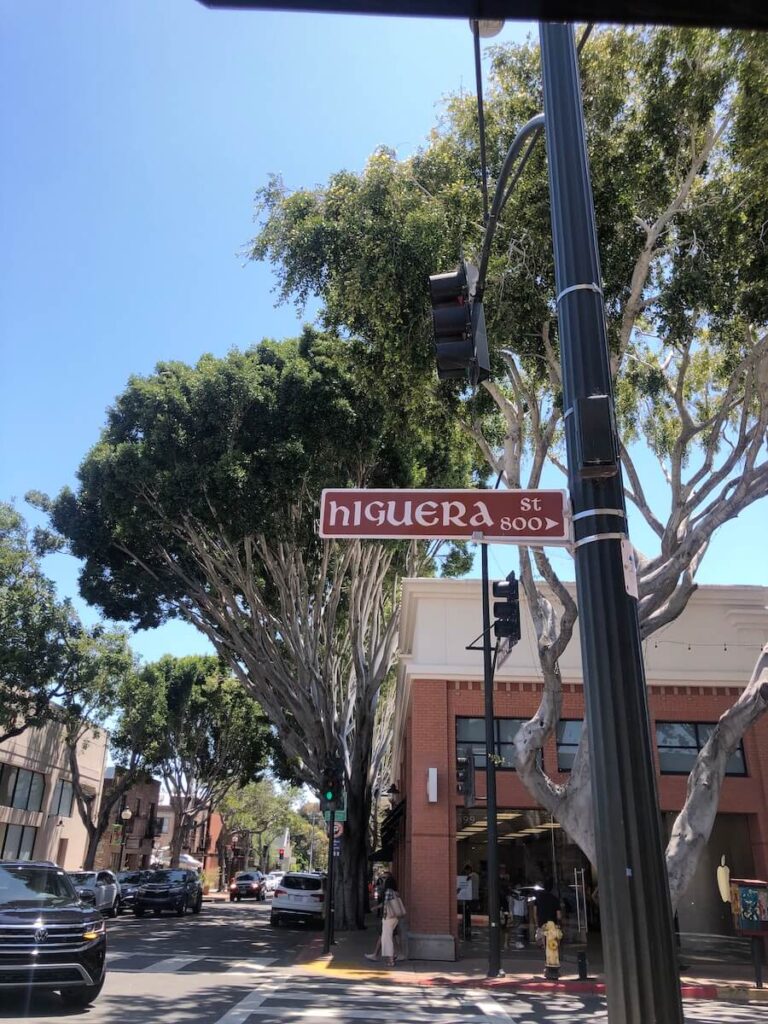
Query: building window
470, 740
21, 789
679, 744
568, 736
17, 842
62, 799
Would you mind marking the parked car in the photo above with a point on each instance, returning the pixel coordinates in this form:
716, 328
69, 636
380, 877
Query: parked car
247, 885
99, 888
300, 896
169, 889
273, 879
48, 938
129, 882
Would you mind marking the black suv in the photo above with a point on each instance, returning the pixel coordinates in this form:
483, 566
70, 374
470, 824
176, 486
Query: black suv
169, 889
48, 938
247, 885
129, 885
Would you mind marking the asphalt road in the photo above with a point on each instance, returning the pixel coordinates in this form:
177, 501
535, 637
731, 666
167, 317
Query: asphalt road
227, 966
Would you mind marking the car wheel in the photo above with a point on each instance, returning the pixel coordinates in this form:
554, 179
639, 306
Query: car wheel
198, 906
79, 998
274, 920
182, 908
113, 910
138, 911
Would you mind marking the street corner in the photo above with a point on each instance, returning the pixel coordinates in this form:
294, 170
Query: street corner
732, 993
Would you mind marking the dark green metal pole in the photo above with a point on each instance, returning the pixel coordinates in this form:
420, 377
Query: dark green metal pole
492, 860
635, 914
329, 900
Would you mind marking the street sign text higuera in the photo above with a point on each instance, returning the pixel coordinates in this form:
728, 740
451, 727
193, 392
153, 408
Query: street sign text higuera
516, 517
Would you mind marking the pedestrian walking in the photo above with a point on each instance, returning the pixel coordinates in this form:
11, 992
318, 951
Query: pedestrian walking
393, 911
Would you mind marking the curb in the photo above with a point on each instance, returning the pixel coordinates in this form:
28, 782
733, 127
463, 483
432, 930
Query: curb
311, 953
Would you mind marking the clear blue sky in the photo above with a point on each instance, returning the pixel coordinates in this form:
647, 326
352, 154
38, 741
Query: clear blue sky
135, 134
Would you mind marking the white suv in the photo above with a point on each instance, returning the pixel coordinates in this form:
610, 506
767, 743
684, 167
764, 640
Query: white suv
300, 896
274, 878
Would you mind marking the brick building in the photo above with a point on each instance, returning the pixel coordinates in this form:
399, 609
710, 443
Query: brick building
695, 669
127, 844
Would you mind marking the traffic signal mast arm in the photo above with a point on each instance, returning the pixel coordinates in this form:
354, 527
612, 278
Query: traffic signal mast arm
458, 318
536, 124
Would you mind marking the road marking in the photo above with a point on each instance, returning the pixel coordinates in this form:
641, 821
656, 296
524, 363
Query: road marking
492, 1009
169, 965
242, 1010
250, 966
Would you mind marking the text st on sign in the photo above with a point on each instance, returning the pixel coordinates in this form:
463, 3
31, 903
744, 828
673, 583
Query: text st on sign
517, 517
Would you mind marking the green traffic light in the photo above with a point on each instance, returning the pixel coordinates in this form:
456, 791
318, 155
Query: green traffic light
329, 795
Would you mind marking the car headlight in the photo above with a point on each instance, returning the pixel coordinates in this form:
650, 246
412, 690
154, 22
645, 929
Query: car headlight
94, 929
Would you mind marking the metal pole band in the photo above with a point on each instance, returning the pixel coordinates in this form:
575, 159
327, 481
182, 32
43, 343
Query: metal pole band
599, 512
578, 288
599, 536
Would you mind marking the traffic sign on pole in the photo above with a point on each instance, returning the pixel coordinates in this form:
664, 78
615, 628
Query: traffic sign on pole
534, 517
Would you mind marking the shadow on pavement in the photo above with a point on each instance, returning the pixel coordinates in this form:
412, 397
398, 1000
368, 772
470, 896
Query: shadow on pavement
201, 1007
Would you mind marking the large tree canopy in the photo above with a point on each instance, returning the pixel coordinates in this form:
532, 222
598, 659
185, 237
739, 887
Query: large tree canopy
200, 500
678, 144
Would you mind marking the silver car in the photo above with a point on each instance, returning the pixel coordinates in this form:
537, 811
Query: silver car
98, 888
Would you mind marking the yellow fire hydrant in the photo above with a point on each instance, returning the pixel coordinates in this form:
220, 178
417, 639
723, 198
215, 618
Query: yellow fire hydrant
552, 936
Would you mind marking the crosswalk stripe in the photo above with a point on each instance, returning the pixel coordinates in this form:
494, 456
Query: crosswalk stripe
493, 1009
253, 966
170, 965
242, 1010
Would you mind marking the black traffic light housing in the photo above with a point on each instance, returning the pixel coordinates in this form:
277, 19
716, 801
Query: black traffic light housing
332, 791
507, 612
465, 778
458, 323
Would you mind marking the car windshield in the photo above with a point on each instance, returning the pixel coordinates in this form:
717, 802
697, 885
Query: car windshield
246, 878
168, 875
131, 877
308, 883
83, 878
31, 886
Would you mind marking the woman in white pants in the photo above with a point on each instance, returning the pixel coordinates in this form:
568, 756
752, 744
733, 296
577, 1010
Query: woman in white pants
388, 923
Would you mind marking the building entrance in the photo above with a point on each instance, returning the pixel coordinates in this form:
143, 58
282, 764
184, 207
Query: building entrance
533, 849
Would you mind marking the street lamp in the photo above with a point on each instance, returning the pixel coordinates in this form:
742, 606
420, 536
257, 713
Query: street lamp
126, 814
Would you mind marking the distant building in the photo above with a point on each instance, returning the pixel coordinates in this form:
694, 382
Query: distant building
38, 816
128, 842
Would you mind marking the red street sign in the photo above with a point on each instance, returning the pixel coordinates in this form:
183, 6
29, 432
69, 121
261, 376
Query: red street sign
517, 517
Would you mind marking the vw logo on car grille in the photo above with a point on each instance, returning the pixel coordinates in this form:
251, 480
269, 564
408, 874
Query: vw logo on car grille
41, 934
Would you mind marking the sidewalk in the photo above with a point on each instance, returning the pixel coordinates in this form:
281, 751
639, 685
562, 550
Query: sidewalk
524, 969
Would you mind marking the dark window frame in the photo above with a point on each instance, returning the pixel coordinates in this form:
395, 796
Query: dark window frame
57, 806
498, 745
15, 852
18, 770
697, 726
566, 747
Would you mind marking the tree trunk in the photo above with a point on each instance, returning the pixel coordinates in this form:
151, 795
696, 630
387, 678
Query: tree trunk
94, 836
350, 889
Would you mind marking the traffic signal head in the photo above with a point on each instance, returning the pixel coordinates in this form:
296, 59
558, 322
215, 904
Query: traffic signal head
458, 323
507, 612
465, 778
281, 853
